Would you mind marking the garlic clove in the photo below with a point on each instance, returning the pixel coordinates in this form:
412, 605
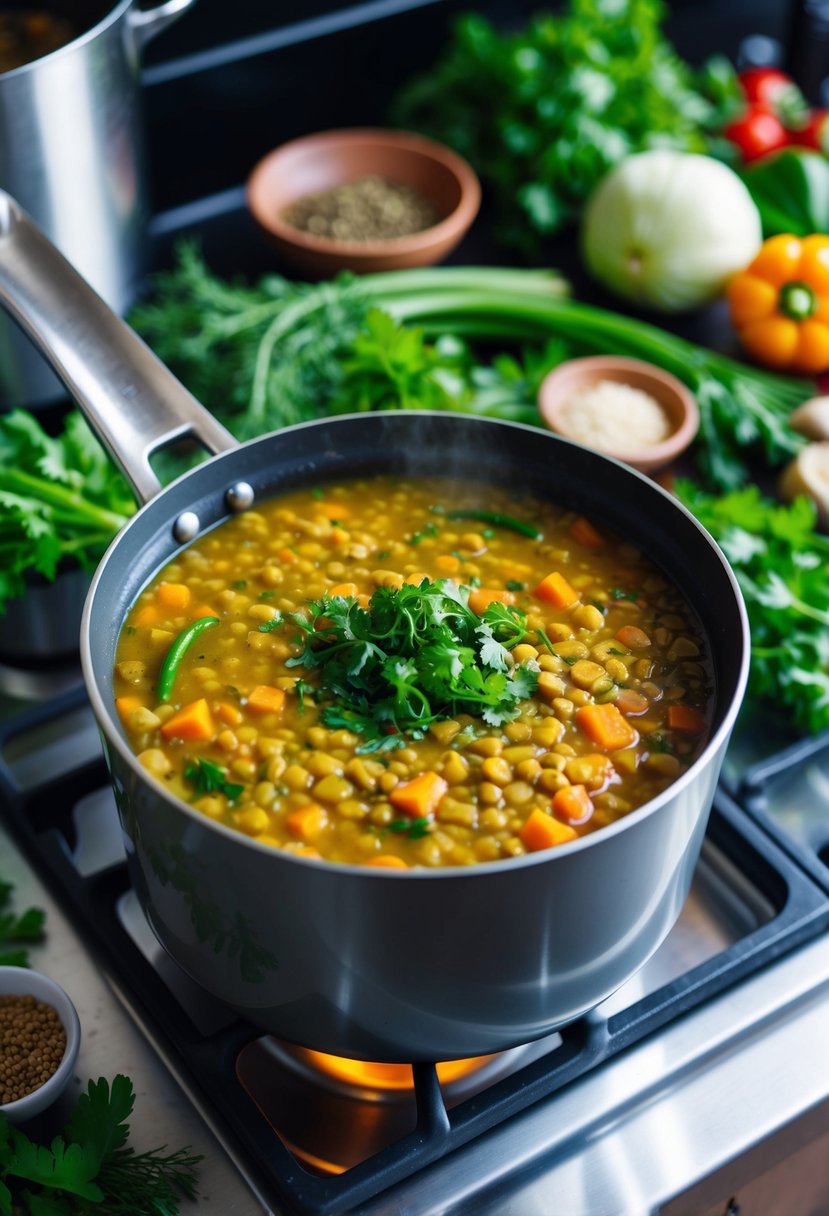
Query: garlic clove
811, 418
808, 474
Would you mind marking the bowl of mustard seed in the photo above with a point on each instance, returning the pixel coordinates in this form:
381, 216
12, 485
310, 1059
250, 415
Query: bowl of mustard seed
40, 1035
364, 200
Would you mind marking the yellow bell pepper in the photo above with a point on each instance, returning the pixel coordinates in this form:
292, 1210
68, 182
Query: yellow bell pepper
780, 304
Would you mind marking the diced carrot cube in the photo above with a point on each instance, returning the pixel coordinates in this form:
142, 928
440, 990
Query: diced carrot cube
633, 637
481, 597
338, 536
447, 563
202, 610
419, 797
344, 589
332, 509
573, 803
583, 531
231, 715
416, 578
556, 591
146, 615
127, 706
387, 861
192, 722
307, 822
541, 831
265, 699
286, 556
173, 596
685, 718
606, 727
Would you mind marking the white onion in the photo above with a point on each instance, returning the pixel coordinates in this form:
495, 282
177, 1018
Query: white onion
666, 229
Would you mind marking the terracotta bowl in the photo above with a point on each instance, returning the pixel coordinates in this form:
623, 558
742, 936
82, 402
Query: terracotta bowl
576, 375
320, 162
20, 981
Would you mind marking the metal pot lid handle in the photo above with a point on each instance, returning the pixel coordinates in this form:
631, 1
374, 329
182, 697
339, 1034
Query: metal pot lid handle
133, 402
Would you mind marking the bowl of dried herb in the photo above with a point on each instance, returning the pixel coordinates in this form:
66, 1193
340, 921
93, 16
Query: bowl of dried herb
40, 1035
364, 200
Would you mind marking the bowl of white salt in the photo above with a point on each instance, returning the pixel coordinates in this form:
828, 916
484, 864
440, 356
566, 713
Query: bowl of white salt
626, 408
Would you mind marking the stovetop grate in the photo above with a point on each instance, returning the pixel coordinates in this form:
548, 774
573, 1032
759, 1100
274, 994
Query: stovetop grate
42, 817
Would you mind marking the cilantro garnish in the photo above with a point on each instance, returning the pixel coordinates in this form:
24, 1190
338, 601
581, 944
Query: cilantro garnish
90, 1167
210, 778
414, 829
268, 626
415, 656
618, 593
430, 529
17, 930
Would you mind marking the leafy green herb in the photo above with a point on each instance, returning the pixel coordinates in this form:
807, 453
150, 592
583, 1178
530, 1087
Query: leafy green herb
544, 112
513, 584
619, 593
303, 689
268, 626
267, 595
414, 829
90, 1168
428, 530
791, 190
210, 778
17, 930
781, 563
415, 656
60, 498
239, 584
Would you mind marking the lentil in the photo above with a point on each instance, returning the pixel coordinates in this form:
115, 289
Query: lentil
32, 1043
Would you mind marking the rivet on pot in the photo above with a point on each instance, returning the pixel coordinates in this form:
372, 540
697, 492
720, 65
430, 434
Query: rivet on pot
240, 496
186, 526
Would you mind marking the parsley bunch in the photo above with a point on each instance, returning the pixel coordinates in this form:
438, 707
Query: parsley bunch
415, 656
91, 1170
782, 566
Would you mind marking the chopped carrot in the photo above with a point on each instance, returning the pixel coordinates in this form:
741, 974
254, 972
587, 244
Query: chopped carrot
192, 722
307, 822
387, 860
343, 589
148, 615
583, 531
332, 509
633, 637
231, 715
481, 597
447, 563
631, 702
572, 802
203, 610
419, 797
287, 556
556, 590
265, 699
127, 706
684, 718
338, 536
174, 596
541, 831
605, 726
416, 578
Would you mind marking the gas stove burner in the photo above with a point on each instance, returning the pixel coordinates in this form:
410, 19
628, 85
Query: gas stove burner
332, 1113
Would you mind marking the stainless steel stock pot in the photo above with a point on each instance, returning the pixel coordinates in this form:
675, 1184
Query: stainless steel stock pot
383, 964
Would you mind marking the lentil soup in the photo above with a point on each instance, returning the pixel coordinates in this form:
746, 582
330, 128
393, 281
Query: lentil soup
385, 672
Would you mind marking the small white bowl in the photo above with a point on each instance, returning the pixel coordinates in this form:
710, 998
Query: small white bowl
21, 981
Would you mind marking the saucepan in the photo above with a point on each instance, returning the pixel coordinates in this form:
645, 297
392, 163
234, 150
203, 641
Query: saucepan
380, 964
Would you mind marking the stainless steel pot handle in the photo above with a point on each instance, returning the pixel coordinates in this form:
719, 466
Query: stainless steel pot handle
146, 23
134, 403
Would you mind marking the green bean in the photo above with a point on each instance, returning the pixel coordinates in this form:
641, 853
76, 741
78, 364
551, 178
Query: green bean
172, 661
499, 521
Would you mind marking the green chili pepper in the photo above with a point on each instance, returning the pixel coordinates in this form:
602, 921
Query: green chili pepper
172, 661
499, 521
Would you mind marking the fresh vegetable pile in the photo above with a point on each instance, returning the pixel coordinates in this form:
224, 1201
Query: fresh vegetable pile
543, 113
59, 498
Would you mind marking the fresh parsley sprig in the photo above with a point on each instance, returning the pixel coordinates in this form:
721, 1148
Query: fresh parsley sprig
416, 655
210, 778
91, 1168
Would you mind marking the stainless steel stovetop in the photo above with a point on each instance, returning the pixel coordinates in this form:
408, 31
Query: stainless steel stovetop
701, 1074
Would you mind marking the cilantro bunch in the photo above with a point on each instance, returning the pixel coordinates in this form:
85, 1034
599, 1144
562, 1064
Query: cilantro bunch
543, 112
415, 656
91, 1170
782, 566
59, 498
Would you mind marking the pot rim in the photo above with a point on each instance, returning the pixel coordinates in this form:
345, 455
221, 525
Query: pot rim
109, 725
88, 35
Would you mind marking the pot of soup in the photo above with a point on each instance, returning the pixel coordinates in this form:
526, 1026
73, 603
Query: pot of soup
414, 720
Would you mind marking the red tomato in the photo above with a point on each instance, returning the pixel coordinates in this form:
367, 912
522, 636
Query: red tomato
762, 85
816, 132
757, 133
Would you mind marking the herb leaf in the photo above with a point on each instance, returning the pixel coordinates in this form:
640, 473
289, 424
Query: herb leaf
210, 778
